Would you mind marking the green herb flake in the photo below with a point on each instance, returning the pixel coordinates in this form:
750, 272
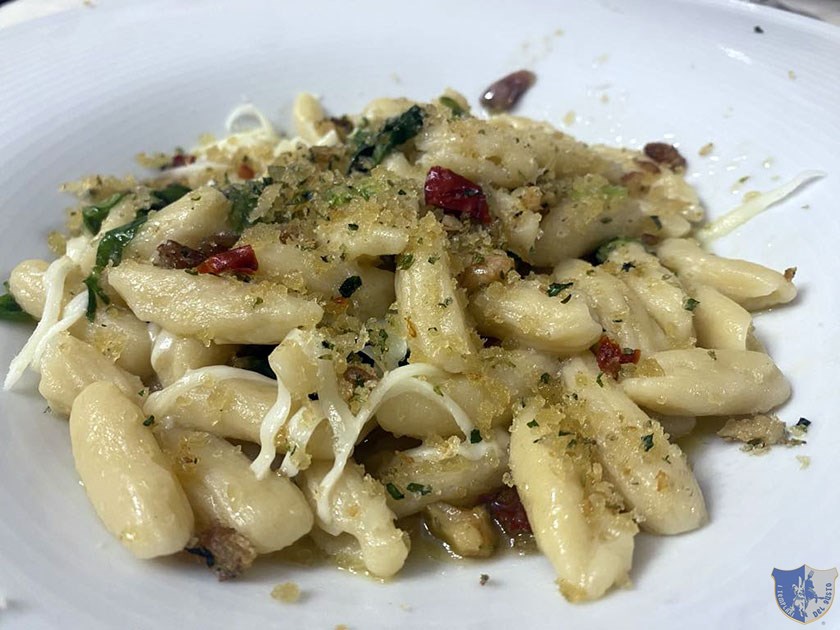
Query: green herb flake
533, 423
627, 266
258, 301
690, 304
598, 379
243, 199
566, 299
149, 421
545, 377
394, 491
556, 287
419, 488
94, 215
404, 261
350, 286
353, 227
647, 442
656, 221
11, 311
475, 436
437, 390
445, 303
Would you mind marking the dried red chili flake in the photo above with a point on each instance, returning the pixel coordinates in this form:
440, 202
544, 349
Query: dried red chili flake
239, 260
456, 194
245, 172
181, 159
506, 507
611, 356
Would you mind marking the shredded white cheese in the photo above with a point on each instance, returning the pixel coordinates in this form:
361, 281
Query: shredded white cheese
301, 427
158, 403
752, 207
73, 312
54, 278
269, 428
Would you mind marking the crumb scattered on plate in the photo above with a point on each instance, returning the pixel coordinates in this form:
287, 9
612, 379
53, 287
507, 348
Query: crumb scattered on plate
804, 461
569, 118
287, 592
791, 75
706, 149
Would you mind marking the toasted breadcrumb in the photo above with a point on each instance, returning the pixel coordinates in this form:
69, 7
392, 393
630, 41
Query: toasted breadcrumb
287, 592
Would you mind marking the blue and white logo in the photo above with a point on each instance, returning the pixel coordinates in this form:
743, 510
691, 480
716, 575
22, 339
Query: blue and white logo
804, 594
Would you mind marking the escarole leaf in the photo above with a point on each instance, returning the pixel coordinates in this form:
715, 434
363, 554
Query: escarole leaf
113, 243
371, 149
95, 214
243, 199
11, 311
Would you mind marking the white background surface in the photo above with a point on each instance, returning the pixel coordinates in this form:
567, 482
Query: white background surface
84, 90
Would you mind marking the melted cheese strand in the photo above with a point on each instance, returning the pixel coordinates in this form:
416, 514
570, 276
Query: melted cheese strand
444, 450
159, 402
301, 427
271, 424
54, 279
73, 312
752, 207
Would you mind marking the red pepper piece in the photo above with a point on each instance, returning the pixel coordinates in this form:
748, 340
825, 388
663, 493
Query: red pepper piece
456, 194
611, 356
181, 159
239, 260
506, 507
245, 172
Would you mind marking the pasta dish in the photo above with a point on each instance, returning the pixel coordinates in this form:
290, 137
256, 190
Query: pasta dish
412, 312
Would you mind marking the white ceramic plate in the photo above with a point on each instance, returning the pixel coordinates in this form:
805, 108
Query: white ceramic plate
85, 91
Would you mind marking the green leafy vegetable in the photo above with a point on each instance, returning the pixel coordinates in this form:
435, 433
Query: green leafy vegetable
452, 104
94, 215
113, 242
647, 442
11, 311
372, 148
404, 261
690, 304
243, 199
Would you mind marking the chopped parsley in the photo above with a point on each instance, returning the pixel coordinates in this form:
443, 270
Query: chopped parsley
647, 441
350, 286
656, 221
556, 287
533, 423
475, 436
566, 299
598, 379
404, 261
353, 227
419, 488
627, 266
545, 377
690, 304
394, 491
445, 303
149, 421
804, 423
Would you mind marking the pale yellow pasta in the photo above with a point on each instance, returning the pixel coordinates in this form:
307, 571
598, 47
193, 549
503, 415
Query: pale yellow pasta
212, 308
174, 355
306, 113
194, 217
652, 474
26, 284
127, 478
575, 516
359, 509
709, 383
620, 312
69, 365
523, 310
442, 471
271, 513
657, 288
231, 408
722, 323
431, 304
751, 285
